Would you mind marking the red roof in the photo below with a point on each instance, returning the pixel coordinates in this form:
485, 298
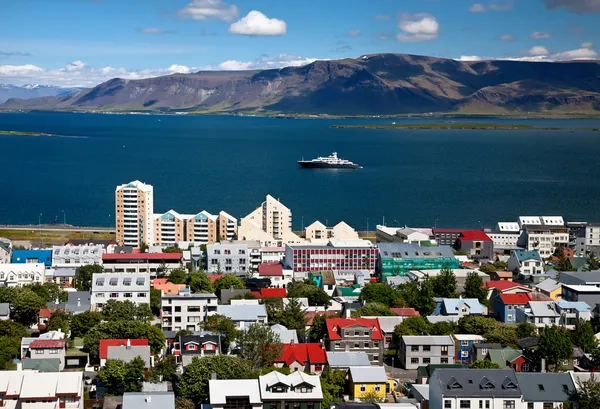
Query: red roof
303, 353
46, 312
477, 235
334, 325
270, 270
256, 294
405, 312
501, 285
310, 315
47, 343
105, 343
143, 256
520, 299
215, 277
273, 292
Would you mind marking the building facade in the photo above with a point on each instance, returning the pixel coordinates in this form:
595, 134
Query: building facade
18, 275
356, 334
134, 287
151, 263
592, 239
169, 228
34, 390
134, 214
415, 351
336, 255
396, 259
186, 311
239, 257
297, 390
76, 256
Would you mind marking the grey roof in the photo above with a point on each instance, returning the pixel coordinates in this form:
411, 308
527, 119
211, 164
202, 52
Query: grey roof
149, 400
155, 386
347, 359
543, 308
496, 383
548, 285
4, 309
287, 336
580, 277
128, 353
242, 312
546, 387
427, 340
42, 365
484, 345
413, 250
77, 302
370, 374
226, 295
64, 272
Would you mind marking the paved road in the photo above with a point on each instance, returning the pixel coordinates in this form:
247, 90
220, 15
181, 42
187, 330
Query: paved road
56, 227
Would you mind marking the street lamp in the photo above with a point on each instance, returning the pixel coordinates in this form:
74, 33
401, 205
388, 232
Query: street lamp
64, 218
40, 227
367, 226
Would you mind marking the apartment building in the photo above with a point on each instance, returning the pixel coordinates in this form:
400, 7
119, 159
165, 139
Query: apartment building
592, 239
207, 228
186, 311
356, 334
335, 255
318, 232
134, 287
226, 226
425, 349
169, 228
543, 233
18, 275
134, 214
50, 390
385, 234
76, 256
152, 263
236, 256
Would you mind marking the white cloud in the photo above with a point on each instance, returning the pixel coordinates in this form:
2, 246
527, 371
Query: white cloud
538, 35
8, 70
181, 69
579, 54
477, 8
587, 44
154, 30
498, 5
541, 54
353, 33
209, 10
233, 65
537, 50
470, 58
74, 66
507, 37
575, 6
418, 27
257, 24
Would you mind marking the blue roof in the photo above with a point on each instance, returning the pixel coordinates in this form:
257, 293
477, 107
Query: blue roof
21, 256
523, 255
451, 306
580, 306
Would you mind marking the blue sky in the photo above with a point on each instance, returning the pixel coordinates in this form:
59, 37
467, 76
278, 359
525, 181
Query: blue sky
83, 42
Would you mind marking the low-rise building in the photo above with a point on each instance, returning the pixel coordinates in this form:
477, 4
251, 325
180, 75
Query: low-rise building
297, 390
335, 255
463, 344
573, 311
367, 381
551, 288
546, 390
65, 277
590, 294
244, 315
399, 258
234, 394
4, 311
236, 256
461, 275
356, 334
318, 232
539, 313
309, 358
41, 349
151, 263
459, 307
476, 244
76, 256
128, 353
185, 310
5, 250
415, 351
32, 257
279, 277
272, 254
385, 234
286, 336
134, 287
505, 305
525, 263
191, 346
18, 275
148, 400
32, 390
479, 350
105, 344
509, 358
165, 287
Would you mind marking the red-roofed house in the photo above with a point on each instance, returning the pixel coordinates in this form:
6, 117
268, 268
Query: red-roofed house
356, 334
505, 305
48, 348
161, 284
105, 343
274, 271
475, 243
405, 312
303, 357
140, 262
273, 292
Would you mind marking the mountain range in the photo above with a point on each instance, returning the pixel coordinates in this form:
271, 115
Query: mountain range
377, 84
8, 91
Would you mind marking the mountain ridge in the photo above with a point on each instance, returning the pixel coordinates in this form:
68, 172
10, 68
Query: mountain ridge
377, 84
29, 91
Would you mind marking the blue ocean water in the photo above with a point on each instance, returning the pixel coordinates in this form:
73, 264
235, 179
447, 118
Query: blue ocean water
414, 177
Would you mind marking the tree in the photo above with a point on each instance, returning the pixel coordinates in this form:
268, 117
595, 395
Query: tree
126, 310
332, 385
502, 334
526, 329
292, 317
475, 324
371, 397
563, 263
83, 276
200, 283
10, 348
183, 403
183, 333
592, 263
443, 328
177, 276
172, 249
228, 281
193, 383
155, 301
59, 321
164, 369
555, 344
222, 325
484, 364
260, 346
12, 329
308, 289
488, 268
49, 292
82, 323
26, 307
118, 376
474, 288
424, 302
377, 293
412, 326
372, 309
318, 329
123, 330
587, 395
444, 285
584, 336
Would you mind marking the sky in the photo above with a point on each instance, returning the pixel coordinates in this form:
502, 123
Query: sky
84, 42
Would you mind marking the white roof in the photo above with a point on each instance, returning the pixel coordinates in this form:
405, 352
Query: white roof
34, 268
427, 340
523, 220
364, 374
553, 220
118, 282
508, 227
295, 379
242, 312
219, 390
351, 243
49, 384
582, 288
137, 184
468, 337
227, 215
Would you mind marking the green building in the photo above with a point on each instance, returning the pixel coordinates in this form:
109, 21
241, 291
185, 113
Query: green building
398, 258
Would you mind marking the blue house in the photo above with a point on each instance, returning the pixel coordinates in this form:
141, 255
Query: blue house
506, 306
463, 343
459, 307
32, 256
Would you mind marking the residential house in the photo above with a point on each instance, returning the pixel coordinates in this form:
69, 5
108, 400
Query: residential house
573, 311
4, 311
134, 287
148, 400
128, 353
459, 307
463, 344
344, 360
539, 313
50, 335
424, 372
297, 390
191, 346
150, 263
384, 234
77, 302
244, 315
162, 284
310, 317
415, 351
505, 305
18, 275
525, 264
286, 336
65, 277
325, 280
580, 277
479, 350
476, 244
551, 288
32, 390
186, 310
32, 257
234, 394
40, 365
273, 293
272, 254
510, 358
76, 256
106, 343
356, 334
546, 390
48, 349
274, 271
367, 381
590, 294
309, 358
485, 388
235, 256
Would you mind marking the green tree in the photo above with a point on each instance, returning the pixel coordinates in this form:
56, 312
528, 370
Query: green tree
487, 268
183, 403
228, 281
183, 333
82, 323
526, 329
59, 320
332, 385
10, 348
260, 346
273, 305
406, 294
222, 325
83, 276
126, 310
584, 336
49, 292
155, 301
424, 302
563, 263
377, 293
318, 329
474, 288
412, 326
475, 324
10, 328
193, 383
292, 316
502, 334
200, 283
372, 309
308, 289
444, 285
587, 395
26, 307
555, 344
592, 263
177, 276
484, 364
118, 377
371, 397
172, 249
443, 328
164, 369
500, 265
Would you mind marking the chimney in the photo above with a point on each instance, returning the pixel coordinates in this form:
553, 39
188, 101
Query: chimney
128, 343
148, 399
543, 366
78, 302
213, 376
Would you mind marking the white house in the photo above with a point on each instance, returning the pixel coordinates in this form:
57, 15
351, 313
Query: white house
573, 311
186, 310
34, 390
526, 263
18, 275
76, 256
539, 313
244, 315
228, 393
134, 287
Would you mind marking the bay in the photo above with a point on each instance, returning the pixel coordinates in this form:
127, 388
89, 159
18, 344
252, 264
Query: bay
422, 178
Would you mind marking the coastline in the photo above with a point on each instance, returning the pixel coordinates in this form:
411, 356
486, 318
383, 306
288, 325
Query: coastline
461, 127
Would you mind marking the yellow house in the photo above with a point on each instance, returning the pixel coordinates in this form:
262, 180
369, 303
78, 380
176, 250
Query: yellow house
551, 288
367, 381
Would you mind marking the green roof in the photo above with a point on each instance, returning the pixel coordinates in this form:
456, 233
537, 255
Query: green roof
502, 356
348, 291
42, 365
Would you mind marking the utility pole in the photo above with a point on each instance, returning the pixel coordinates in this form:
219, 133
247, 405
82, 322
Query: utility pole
64, 218
40, 227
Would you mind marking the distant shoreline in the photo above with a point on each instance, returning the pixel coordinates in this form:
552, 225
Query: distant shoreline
465, 127
41, 134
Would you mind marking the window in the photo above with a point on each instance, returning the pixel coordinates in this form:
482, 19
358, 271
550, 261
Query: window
363, 388
464, 343
114, 295
214, 262
510, 317
444, 350
487, 404
529, 405
465, 404
140, 295
140, 281
367, 345
310, 405
377, 388
356, 333
414, 348
193, 308
443, 360
508, 404
426, 360
128, 295
356, 345
178, 309
414, 360
464, 354
525, 367
127, 281
426, 348
227, 261
113, 282
447, 404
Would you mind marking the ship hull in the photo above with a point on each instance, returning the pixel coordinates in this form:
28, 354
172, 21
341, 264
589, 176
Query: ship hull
317, 165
